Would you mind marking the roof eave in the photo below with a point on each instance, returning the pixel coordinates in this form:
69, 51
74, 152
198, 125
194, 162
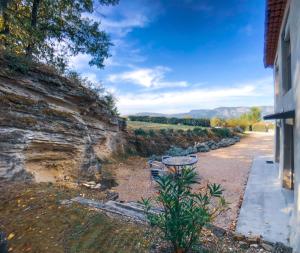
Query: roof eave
275, 10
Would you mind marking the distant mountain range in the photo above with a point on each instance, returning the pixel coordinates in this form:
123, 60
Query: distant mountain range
221, 112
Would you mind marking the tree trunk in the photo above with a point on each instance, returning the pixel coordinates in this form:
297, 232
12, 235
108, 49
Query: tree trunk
34, 16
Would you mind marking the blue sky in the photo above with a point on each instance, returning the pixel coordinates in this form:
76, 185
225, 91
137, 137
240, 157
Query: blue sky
176, 55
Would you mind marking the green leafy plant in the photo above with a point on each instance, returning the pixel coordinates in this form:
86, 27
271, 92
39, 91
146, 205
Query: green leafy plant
17, 63
180, 131
151, 133
200, 131
163, 131
184, 213
222, 132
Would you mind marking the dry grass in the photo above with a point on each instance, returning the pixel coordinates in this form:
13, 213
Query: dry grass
35, 221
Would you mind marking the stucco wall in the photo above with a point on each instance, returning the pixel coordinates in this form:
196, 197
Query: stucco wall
295, 30
291, 101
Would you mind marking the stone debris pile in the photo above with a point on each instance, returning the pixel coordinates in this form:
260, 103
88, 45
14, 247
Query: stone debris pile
212, 145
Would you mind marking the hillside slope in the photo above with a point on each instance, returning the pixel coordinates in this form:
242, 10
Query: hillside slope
52, 129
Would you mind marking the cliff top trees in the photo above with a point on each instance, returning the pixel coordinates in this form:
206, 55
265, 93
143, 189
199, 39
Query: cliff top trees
52, 30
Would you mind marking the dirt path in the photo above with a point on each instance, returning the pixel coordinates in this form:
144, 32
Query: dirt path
227, 166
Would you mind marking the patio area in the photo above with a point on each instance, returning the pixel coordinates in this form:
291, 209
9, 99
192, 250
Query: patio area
267, 207
229, 167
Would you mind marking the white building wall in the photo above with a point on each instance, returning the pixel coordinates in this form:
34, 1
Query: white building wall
291, 101
295, 43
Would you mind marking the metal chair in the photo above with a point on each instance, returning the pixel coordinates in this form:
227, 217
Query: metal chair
156, 169
155, 173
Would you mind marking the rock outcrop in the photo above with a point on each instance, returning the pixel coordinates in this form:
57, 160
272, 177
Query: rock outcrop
52, 128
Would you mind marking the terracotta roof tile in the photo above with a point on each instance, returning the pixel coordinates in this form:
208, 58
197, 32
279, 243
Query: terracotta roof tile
274, 15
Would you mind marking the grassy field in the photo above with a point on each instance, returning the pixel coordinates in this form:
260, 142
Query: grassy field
258, 127
155, 126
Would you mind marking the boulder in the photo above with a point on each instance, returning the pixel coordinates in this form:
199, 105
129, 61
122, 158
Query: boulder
210, 143
202, 147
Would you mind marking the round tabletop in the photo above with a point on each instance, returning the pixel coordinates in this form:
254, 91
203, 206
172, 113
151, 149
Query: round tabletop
179, 161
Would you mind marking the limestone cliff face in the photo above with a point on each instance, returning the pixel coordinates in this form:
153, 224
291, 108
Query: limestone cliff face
51, 128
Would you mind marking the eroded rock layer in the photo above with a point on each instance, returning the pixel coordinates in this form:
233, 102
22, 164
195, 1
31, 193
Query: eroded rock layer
52, 128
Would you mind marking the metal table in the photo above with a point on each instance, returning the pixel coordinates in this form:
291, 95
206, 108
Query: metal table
176, 163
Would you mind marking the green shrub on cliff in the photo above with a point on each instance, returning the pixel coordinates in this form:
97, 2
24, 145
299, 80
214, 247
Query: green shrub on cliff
200, 131
98, 90
17, 63
140, 131
222, 132
151, 133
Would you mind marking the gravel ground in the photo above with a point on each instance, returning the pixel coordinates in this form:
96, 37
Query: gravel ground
227, 166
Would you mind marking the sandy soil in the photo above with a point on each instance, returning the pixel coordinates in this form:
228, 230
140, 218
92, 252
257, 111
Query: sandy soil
227, 166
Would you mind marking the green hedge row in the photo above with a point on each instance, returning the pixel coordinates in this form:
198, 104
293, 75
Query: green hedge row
173, 121
197, 131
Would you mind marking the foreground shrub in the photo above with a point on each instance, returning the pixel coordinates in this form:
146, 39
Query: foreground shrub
184, 213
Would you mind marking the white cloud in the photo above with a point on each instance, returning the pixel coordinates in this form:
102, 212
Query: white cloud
147, 77
92, 77
123, 26
258, 92
121, 19
79, 61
